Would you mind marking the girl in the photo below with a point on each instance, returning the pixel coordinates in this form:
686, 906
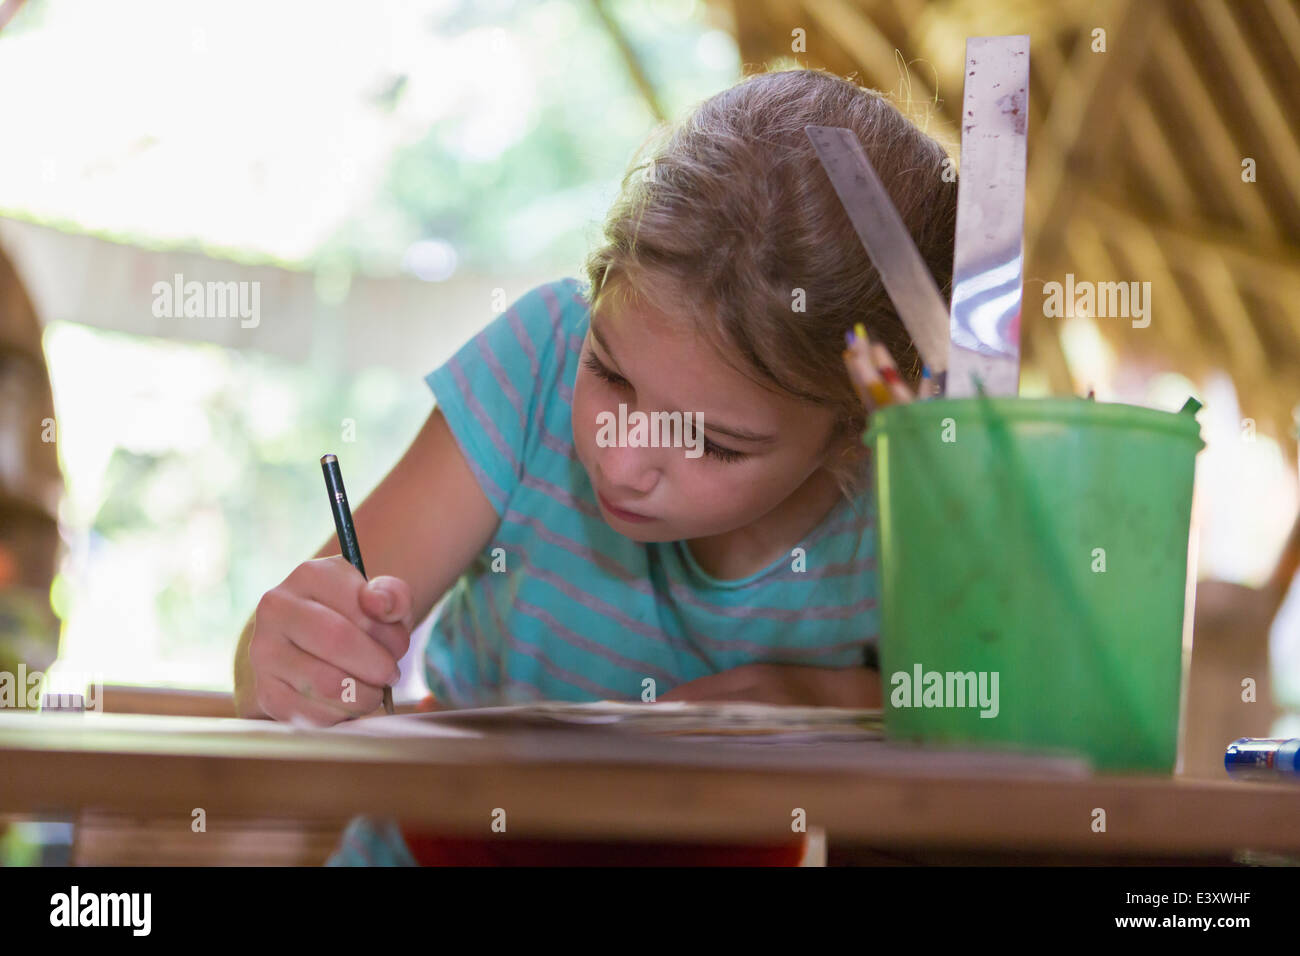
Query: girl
733, 562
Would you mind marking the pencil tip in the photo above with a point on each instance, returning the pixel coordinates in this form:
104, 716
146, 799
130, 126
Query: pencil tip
326, 459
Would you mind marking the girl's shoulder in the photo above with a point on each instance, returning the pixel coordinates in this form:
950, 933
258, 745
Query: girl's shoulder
560, 303
548, 323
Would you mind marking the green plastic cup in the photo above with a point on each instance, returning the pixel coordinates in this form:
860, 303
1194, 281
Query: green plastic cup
1033, 556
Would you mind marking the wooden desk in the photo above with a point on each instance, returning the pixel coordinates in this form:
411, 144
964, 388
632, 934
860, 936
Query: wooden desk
163, 767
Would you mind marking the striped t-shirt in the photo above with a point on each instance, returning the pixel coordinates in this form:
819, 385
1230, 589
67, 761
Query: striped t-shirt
559, 605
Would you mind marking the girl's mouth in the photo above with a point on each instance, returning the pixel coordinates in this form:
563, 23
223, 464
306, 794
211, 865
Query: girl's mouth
619, 512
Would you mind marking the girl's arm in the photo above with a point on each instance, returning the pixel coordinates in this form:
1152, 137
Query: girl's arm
423, 523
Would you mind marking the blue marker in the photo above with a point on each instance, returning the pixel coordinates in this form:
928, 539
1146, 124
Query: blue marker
1263, 758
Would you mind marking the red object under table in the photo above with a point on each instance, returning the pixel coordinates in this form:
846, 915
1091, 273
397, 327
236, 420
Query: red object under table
434, 849
431, 849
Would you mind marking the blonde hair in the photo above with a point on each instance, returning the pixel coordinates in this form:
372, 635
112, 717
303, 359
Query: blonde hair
730, 215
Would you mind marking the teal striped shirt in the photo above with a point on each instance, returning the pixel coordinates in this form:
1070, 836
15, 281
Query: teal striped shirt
559, 605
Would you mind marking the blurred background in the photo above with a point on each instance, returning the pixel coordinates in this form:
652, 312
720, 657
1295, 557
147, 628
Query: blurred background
380, 171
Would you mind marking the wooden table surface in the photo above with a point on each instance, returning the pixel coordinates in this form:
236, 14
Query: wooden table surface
593, 786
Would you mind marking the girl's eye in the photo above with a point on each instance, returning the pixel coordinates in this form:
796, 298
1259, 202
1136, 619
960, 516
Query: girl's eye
601, 372
722, 454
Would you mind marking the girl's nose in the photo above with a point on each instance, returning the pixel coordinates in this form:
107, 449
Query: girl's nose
631, 470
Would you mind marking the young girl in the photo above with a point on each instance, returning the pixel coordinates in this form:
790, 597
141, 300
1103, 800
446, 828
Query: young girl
584, 564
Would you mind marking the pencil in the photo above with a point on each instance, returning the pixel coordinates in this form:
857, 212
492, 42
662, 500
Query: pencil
867, 372
926, 388
889, 372
859, 385
347, 532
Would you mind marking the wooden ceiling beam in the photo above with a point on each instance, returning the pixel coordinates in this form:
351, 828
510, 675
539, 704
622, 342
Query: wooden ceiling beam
1212, 134
1044, 345
1272, 266
1163, 171
1248, 362
1156, 155
863, 40
1217, 264
1176, 315
1081, 121
1224, 305
1287, 21
1261, 100
910, 13
1086, 253
1160, 164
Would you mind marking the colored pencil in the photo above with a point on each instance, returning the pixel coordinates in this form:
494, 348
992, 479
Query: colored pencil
889, 372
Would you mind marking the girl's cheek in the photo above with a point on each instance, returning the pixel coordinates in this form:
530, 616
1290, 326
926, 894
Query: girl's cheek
706, 488
584, 420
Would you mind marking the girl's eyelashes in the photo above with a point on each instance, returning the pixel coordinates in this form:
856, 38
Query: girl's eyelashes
601, 372
722, 454
716, 451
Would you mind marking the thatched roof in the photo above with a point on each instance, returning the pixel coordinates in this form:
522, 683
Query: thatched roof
1135, 159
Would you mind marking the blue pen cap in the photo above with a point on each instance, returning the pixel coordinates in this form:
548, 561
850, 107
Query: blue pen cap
1263, 757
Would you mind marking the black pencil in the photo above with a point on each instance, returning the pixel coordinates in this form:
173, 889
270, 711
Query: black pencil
329, 464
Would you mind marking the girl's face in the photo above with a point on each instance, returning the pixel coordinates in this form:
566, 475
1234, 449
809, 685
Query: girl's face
759, 447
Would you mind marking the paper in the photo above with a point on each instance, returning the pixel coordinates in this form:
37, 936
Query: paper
669, 718
400, 725
717, 735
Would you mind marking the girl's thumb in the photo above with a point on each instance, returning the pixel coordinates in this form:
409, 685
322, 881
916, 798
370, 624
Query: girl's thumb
385, 599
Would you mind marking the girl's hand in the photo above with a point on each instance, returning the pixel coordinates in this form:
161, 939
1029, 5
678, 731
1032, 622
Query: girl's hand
790, 684
323, 624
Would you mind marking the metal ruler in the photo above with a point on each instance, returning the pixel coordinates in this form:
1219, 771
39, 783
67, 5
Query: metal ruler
904, 273
988, 258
